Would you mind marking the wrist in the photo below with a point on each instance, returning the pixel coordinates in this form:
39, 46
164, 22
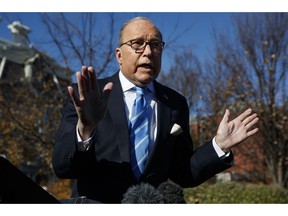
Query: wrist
85, 132
221, 145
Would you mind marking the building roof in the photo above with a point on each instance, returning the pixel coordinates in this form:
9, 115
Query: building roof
20, 52
15, 52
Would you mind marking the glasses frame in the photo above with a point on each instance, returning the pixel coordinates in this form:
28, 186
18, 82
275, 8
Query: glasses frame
137, 50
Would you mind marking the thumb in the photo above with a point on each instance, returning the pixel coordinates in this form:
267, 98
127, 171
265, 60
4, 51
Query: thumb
223, 131
106, 92
226, 116
73, 96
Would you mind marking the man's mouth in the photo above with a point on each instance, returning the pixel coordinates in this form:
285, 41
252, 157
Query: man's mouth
146, 66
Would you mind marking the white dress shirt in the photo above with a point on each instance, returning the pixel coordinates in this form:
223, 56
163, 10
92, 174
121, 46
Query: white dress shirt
129, 96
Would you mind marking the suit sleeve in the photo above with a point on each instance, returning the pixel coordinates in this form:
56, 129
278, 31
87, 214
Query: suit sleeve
191, 167
67, 161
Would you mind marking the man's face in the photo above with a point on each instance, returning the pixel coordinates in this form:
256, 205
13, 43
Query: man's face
140, 67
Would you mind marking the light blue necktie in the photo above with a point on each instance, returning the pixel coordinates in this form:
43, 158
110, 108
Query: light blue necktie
139, 133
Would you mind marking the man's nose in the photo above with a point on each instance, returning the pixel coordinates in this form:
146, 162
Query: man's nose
147, 50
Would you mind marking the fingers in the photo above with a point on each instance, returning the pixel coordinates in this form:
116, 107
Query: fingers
88, 85
81, 86
93, 80
247, 121
90, 77
75, 99
252, 122
87, 82
93, 84
244, 114
252, 132
86, 79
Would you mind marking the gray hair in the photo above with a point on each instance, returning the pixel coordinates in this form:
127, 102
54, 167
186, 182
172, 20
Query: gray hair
120, 37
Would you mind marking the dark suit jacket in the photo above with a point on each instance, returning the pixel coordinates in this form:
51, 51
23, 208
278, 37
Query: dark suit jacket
104, 172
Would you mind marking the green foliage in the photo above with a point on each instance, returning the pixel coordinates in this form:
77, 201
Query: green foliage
236, 193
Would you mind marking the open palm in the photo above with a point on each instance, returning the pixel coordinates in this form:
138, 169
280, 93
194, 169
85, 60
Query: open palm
231, 133
91, 106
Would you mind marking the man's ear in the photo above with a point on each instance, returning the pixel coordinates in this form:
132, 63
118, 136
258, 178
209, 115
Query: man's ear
118, 55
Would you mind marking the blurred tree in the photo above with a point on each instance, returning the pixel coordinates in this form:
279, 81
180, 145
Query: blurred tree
78, 41
185, 70
32, 88
184, 76
30, 114
248, 69
254, 68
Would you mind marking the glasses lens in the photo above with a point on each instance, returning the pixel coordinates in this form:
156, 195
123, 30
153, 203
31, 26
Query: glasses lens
138, 44
156, 45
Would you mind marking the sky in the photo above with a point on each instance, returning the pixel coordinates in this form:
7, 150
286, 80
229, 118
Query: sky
201, 16
144, 6
198, 37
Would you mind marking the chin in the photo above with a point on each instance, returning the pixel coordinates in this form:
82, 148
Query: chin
147, 74
148, 79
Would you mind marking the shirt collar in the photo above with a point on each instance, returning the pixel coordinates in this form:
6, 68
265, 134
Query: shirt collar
127, 85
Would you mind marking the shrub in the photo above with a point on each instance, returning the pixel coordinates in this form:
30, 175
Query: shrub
236, 193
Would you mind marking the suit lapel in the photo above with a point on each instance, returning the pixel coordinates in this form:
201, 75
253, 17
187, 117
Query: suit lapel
116, 110
163, 126
164, 114
118, 115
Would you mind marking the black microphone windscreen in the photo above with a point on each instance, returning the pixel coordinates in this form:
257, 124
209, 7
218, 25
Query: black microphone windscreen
142, 193
171, 192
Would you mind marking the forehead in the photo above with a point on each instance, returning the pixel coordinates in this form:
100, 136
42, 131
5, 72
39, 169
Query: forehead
140, 29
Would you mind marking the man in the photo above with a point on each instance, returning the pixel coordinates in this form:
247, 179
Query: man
95, 143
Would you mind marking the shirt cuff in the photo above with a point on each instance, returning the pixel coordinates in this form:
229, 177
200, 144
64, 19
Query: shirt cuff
82, 145
218, 150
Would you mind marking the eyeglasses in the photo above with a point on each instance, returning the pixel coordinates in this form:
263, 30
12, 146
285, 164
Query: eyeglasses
139, 45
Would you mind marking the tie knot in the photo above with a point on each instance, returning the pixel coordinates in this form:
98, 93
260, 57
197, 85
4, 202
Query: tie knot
140, 91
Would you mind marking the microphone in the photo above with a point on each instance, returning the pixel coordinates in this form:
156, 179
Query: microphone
166, 193
171, 192
142, 193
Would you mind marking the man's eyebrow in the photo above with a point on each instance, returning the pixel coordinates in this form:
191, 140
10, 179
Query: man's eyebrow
154, 38
137, 38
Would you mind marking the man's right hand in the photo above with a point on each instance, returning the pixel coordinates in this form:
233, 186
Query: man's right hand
91, 106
